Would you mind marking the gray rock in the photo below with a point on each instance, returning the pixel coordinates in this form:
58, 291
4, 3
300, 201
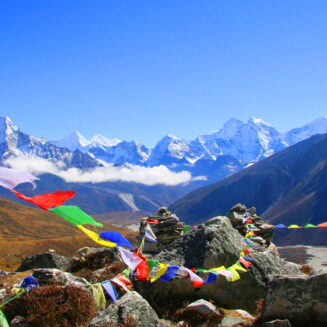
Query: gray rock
44, 260
301, 300
131, 304
58, 277
94, 258
239, 208
18, 321
278, 323
213, 244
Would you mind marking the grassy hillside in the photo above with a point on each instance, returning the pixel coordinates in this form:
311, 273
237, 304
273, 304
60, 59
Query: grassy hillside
25, 231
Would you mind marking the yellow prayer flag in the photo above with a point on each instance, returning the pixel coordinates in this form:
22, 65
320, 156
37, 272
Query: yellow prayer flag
95, 237
162, 270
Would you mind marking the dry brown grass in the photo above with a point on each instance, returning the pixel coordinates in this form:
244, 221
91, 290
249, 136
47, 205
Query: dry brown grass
26, 231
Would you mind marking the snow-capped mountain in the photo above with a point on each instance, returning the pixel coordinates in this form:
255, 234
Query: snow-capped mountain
215, 155
14, 143
295, 135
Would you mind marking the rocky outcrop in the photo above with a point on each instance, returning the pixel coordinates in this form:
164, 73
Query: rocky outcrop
263, 230
302, 300
130, 307
213, 244
277, 323
45, 260
166, 227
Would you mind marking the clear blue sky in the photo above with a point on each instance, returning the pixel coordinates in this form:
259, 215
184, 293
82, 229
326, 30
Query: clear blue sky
144, 69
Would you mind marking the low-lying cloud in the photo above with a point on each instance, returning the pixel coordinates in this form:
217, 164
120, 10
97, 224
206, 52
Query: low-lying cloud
108, 173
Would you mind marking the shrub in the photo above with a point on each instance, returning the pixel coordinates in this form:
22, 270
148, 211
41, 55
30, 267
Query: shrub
306, 269
53, 305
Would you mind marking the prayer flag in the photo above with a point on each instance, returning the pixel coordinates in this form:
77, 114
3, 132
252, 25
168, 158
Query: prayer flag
95, 237
322, 225
116, 238
236, 275
152, 263
47, 200
10, 178
161, 271
196, 280
169, 274
121, 281
293, 226
149, 234
152, 221
129, 259
142, 269
3, 320
280, 226
245, 263
309, 226
110, 290
75, 215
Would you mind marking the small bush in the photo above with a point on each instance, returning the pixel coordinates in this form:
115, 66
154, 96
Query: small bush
52, 305
306, 269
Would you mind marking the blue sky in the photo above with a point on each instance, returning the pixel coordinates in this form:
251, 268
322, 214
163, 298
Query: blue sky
144, 69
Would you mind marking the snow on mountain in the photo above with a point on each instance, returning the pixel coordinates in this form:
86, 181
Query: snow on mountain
15, 143
123, 152
295, 135
169, 151
99, 140
73, 141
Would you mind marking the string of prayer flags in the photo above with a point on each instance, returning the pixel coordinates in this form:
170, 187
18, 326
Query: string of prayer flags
149, 234
47, 200
130, 260
10, 178
169, 274
95, 237
116, 237
75, 215
110, 290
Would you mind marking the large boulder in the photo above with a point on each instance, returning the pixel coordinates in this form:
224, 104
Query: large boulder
301, 300
213, 244
131, 307
45, 260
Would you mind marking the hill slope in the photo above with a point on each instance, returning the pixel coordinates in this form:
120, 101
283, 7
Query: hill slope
25, 231
288, 187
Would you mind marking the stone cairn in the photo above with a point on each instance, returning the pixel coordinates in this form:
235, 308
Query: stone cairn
263, 230
166, 231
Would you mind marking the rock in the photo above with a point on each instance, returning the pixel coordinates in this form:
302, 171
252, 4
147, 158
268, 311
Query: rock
58, 277
199, 312
167, 230
301, 300
237, 317
278, 323
19, 321
240, 208
93, 258
45, 260
131, 305
213, 244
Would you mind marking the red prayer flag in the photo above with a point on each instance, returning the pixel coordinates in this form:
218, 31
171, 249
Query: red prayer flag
142, 269
245, 263
125, 281
322, 225
154, 221
47, 200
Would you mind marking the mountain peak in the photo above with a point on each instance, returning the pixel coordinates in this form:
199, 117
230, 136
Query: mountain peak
98, 139
257, 121
73, 141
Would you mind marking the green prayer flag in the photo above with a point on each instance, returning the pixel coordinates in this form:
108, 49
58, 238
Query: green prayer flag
186, 229
309, 226
75, 215
126, 272
3, 320
152, 263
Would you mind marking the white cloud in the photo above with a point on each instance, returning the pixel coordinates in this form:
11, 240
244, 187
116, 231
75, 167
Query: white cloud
108, 173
